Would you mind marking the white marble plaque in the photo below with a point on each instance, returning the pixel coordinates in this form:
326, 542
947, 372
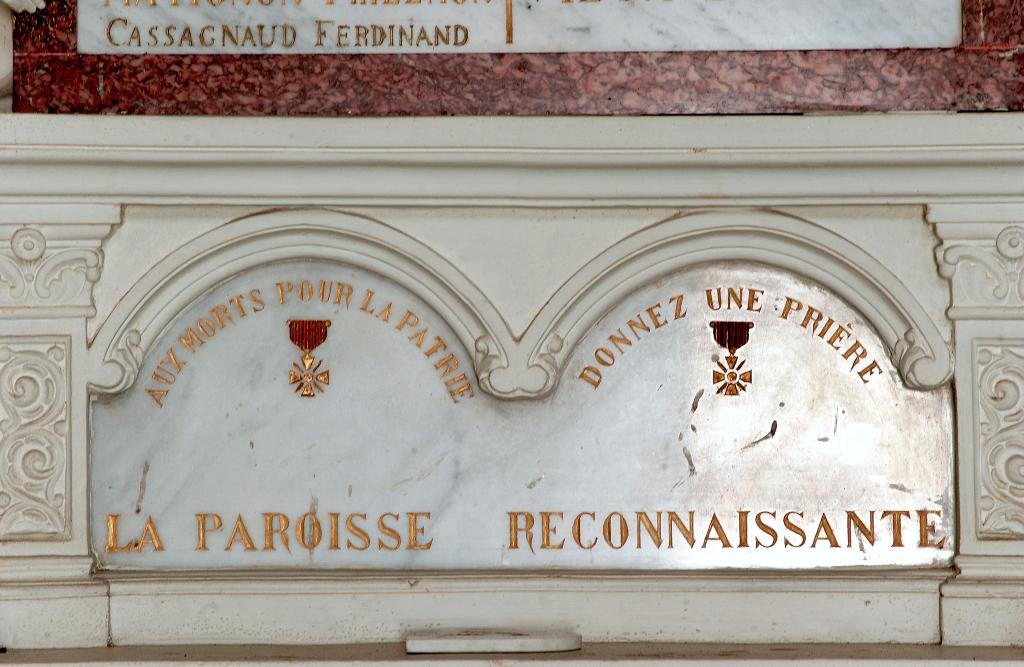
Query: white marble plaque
726, 416
498, 26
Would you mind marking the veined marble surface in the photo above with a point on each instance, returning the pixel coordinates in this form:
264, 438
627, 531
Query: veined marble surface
427, 26
659, 433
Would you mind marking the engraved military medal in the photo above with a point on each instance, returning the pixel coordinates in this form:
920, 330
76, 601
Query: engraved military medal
730, 377
307, 335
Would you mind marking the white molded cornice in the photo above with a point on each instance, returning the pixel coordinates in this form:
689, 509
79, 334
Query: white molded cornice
991, 569
921, 158
45, 568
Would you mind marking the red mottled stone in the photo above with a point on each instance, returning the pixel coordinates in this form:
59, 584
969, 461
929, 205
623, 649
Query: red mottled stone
48, 30
993, 23
973, 30
51, 78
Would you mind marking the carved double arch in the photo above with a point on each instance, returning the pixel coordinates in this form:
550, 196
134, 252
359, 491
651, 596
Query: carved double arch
527, 365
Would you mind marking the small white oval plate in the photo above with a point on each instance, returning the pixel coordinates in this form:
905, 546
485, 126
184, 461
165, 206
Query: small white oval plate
489, 641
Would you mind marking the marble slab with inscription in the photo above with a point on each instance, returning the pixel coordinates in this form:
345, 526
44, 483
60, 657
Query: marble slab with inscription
497, 26
310, 415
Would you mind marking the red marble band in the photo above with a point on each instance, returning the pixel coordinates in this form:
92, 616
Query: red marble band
986, 73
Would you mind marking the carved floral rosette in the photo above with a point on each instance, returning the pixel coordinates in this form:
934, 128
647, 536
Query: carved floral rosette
1001, 439
33, 440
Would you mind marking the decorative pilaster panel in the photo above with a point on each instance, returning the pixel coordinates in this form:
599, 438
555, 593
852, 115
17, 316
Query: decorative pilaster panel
1000, 438
33, 439
50, 260
982, 255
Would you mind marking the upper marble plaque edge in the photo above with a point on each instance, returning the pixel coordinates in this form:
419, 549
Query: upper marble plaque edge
515, 26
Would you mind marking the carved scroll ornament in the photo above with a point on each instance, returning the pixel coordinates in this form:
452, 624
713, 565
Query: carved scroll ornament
33, 440
1000, 405
987, 275
33, 273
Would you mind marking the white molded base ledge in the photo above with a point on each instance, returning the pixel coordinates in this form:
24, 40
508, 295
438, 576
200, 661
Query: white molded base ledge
619, 654
892, 607
53, 615
984, 605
